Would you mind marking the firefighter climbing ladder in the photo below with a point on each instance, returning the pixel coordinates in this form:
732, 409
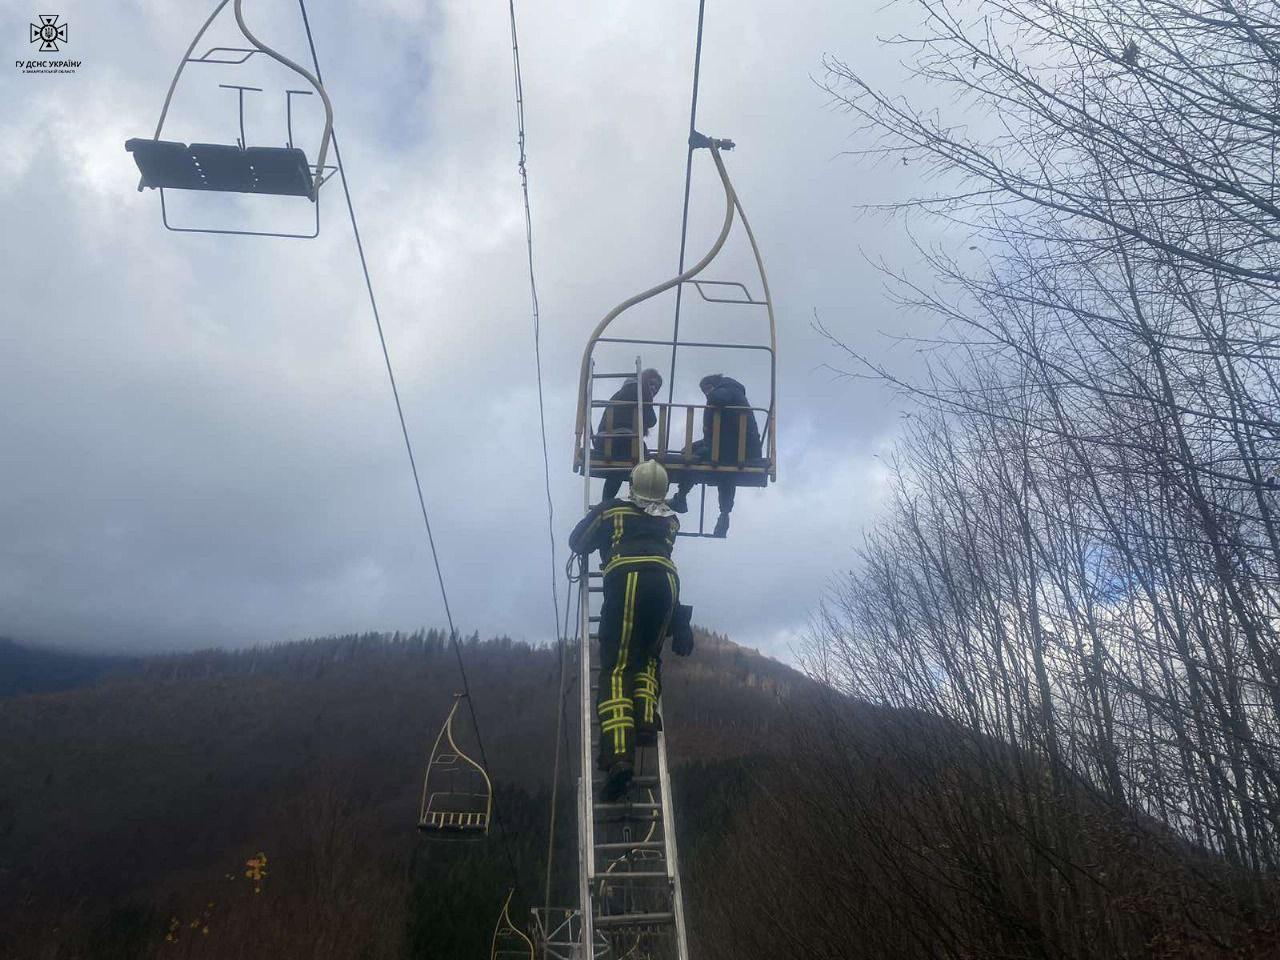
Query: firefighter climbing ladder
629, 877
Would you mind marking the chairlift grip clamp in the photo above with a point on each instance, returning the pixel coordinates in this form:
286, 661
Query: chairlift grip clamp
699, 140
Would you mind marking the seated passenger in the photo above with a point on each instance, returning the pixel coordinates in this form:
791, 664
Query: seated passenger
724, 395
619, 419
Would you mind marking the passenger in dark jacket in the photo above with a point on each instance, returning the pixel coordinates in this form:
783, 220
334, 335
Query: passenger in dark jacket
619, 419
724, 396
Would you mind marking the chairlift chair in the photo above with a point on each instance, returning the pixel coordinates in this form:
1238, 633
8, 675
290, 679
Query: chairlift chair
509, 942
457, 796
282, 171
606, 454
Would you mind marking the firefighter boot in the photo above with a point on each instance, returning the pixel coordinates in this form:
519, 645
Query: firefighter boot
619, 778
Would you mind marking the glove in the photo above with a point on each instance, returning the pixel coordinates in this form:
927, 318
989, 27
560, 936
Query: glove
682, 630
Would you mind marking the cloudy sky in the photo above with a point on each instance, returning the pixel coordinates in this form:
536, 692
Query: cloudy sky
197, 441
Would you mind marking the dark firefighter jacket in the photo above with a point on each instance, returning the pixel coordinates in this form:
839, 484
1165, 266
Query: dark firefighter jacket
626, 537
729, 393
623, 406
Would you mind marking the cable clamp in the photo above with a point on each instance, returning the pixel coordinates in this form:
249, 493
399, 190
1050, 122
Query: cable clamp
699, 140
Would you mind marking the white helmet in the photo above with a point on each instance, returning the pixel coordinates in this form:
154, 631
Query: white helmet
649, 482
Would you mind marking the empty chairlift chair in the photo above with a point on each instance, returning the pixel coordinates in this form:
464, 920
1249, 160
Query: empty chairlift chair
509, 942
457, 796
282, 171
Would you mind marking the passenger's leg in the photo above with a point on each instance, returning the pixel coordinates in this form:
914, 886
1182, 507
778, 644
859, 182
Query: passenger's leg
727, 490
680, 502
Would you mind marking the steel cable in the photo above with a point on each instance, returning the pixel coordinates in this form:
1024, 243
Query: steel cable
413, 465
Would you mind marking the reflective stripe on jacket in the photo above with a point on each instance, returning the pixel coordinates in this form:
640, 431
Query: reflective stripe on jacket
626, 536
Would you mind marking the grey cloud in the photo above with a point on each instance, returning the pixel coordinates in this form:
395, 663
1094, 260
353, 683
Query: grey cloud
197, 442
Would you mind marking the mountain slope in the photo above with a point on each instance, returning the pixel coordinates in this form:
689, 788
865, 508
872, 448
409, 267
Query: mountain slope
127, 804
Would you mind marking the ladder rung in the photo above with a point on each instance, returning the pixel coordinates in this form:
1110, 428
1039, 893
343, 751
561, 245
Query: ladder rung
612, 376
633, 845
595, 574
632, 920
611, 807
632, 875
634, 782
641, 819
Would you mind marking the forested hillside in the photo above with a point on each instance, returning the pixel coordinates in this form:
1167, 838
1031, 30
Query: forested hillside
26, 669
137, 802
262, 803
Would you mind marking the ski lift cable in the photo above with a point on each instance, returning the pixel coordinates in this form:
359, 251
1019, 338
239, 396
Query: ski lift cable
688, 183
523, 167
404, 430
562, 741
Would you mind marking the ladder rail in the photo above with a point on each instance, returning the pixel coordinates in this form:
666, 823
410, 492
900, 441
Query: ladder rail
669, 838
590, 877
586, 802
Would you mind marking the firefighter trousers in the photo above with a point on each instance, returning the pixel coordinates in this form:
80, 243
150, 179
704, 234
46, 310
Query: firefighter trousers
634, 620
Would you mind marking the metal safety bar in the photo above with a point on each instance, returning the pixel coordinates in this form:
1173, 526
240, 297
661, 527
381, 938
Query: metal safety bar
664, 422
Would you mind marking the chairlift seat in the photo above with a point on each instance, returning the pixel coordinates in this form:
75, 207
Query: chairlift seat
225, 168
753, 472
455, 822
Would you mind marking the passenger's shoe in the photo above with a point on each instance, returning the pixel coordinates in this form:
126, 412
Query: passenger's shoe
722, 526
615, 787
679, 503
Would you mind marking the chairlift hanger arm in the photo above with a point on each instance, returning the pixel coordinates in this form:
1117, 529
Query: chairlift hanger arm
731, 203
301, 71
771, 426
518, 945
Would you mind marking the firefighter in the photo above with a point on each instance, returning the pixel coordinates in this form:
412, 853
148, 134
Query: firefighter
619, 418
641, 591
726, 395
